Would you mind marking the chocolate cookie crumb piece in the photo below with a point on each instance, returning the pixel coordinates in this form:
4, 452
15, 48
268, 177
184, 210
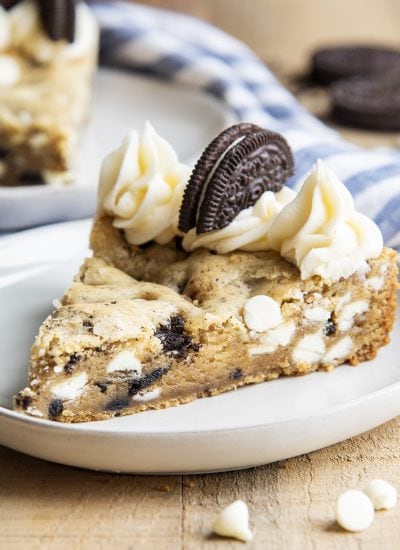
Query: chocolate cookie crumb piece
117, 404
138, 384
69, 366
237, 374
330, 327
56, 408
173, 338
103, 386
23, 401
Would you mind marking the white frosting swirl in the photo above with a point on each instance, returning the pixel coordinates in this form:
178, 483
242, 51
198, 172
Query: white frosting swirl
321, 232
141, 187
21, 28
248, 231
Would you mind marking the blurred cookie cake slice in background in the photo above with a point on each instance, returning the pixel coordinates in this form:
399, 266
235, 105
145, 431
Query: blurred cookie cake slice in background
48, 54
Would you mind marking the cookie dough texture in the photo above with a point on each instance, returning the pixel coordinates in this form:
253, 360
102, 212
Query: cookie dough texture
153, 326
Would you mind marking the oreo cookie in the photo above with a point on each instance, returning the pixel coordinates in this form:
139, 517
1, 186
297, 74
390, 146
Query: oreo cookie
372, 103
335, 63
238, 166
58, 18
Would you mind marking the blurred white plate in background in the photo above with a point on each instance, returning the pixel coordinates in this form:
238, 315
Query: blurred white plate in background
188, 119
254, 425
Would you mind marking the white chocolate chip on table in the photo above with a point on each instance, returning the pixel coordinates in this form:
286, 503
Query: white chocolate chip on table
381, 493
354, 511
233, 522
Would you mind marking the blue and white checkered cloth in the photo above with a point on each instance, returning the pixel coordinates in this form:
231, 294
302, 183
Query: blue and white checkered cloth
189, 51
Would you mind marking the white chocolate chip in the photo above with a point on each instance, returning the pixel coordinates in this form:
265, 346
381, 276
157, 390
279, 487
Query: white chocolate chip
147, 395
382, 495
317, 313
71, 388
125, 361
279, 336
343, 300
233, 521
310, 348
354, 511
56, 303
376, 283
261, 313
345, 318
338, 351
10, 71
58, 369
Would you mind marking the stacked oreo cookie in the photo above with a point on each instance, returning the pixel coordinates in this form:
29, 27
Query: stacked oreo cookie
364, 84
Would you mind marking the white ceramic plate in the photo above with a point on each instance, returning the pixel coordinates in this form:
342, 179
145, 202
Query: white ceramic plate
188, 119
254, 425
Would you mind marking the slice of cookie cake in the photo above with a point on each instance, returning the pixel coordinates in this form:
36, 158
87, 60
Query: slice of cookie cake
205, 283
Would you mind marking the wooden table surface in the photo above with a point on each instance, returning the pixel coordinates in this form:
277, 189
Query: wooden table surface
47, 506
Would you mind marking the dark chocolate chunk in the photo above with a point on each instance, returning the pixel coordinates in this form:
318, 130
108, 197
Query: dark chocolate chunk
335, 63
56, 407
87, 323
117, 404
330, 327
236, 168
58, 18
372, 103
237, 374
3, 153
173, 338
31, 178
23, 401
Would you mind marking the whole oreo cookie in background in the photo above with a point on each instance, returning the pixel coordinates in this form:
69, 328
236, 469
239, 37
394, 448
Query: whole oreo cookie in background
370, 103
58, 18
335, 63
238, 166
